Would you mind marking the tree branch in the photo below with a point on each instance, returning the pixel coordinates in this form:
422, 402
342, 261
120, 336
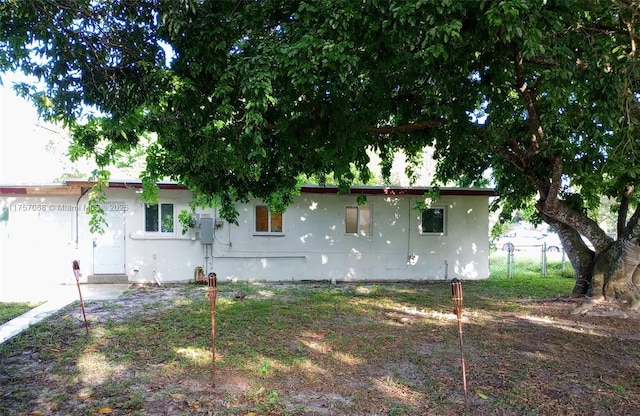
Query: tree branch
632, 225
380, 130
515, 154
542, 61
530, 97
407, 128
561, 212
556, 178
624, 209
603, 29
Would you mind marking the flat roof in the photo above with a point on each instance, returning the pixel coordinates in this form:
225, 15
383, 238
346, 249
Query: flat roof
397, 190
76, 187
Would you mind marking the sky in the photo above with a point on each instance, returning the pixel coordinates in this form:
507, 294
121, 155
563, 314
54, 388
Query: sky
24, 158
33, 152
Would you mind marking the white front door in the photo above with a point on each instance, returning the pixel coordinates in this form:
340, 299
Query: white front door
109, 248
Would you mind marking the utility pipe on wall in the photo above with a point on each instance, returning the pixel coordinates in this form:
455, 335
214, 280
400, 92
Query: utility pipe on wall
77, 215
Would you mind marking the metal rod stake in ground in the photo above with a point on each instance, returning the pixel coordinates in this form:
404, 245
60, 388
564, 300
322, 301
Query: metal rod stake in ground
77, 274
212, 291
456, 295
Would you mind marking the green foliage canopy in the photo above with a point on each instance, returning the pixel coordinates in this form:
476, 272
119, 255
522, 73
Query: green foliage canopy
253, 94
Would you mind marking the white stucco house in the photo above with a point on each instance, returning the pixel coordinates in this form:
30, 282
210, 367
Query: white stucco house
322, 236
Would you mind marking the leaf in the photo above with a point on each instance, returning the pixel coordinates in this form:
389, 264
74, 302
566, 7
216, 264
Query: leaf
178, 396
84, 395
482, 395
105, 411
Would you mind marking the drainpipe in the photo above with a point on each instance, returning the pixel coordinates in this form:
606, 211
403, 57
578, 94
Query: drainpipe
409, 254
77, 215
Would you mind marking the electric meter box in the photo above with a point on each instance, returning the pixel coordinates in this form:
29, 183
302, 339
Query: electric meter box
206, 230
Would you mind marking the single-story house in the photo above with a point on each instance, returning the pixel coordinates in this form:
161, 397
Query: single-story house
323, 235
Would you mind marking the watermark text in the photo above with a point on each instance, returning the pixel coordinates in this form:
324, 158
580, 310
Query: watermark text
31, 207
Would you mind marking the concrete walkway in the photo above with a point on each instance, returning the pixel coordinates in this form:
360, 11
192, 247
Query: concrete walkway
57, 298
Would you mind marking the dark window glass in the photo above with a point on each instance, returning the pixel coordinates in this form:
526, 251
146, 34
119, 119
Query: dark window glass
158, 218
167, 218
433, 220
151, 218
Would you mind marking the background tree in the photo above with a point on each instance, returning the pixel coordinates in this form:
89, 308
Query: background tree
244, 97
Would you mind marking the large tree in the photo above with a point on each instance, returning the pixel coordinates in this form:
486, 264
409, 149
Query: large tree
243, 97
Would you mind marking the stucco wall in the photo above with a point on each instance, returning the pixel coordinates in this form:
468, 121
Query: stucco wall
37, 243
314, 244
44, 234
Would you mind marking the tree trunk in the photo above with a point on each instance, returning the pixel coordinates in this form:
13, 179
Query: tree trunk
615, 274
580, 256
613, 271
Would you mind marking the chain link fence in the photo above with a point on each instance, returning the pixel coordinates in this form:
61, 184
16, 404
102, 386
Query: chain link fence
510, 262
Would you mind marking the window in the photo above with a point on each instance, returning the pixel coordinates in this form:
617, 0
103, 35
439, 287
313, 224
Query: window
358, 220
433, 221
158, 218
267, 221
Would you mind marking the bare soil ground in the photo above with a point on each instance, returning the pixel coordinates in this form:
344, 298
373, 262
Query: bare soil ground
321, 350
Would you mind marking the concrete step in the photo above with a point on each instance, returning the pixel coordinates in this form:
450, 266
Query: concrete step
107, 279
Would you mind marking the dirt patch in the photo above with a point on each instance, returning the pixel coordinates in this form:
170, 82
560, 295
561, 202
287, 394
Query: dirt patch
322, 350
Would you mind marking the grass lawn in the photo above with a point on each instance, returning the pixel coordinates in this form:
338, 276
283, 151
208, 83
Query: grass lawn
321, 349
10, 310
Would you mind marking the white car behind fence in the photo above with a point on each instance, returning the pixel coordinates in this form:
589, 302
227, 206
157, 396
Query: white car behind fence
528, 241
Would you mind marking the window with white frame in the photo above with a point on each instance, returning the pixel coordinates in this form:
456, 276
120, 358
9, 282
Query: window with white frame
359, 220
434, 220
268, 222
159, 218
